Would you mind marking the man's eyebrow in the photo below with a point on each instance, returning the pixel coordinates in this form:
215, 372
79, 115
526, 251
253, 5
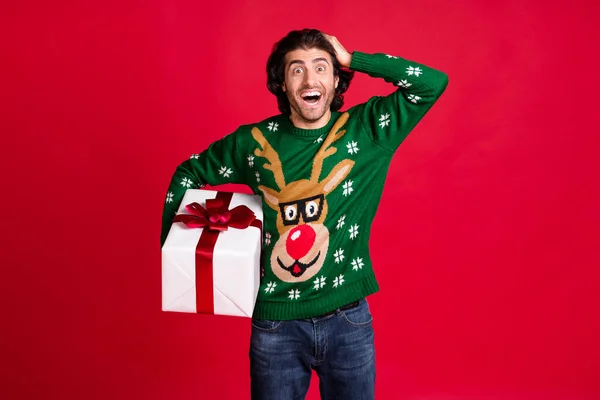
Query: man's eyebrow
320, 59
316, 60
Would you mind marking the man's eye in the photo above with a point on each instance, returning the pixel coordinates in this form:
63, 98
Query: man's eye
297, 70
320, 68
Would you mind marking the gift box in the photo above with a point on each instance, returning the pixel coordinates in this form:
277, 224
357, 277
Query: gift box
211, 256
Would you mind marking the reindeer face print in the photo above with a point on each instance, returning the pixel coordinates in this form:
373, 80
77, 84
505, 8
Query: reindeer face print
301, 208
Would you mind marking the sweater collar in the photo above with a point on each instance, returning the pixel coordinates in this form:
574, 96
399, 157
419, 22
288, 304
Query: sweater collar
294, 130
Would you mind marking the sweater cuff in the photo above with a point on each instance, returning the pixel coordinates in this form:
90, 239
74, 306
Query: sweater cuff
362, 62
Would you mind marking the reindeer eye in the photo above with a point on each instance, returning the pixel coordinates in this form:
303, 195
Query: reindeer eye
312, 208
290, 213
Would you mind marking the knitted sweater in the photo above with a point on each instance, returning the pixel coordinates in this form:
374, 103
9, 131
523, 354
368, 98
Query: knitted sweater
320, 188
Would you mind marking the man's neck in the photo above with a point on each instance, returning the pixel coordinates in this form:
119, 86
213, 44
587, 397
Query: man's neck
301, 123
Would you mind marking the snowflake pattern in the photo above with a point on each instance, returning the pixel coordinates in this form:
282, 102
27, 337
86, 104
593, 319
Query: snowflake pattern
339, 256
414, 98
384, 120
250, 160
347, 186
195, 156
268, 238
257, 174
357, 263
341, 222
390, 56
338, 281
319, 283
270, 287
186, 182
225, 171
353, 231
352, 147
404, 83
294, 294
273, 126
416, 71
169, 198
319, 139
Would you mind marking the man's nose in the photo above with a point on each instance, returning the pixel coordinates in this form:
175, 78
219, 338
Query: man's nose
310, 77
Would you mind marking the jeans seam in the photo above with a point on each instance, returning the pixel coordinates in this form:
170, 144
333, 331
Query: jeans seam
315, 344
326, 341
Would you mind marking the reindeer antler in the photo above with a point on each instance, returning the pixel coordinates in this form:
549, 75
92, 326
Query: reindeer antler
325, 150
274, 165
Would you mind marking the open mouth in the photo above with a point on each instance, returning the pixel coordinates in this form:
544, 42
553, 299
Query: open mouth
297, 268
311, 97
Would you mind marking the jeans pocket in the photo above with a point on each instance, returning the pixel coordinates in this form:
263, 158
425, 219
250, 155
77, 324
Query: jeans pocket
359, 315
266, 325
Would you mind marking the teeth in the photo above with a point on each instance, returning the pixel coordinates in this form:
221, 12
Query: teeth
311, 94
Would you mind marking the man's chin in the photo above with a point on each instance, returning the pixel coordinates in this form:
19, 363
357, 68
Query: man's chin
312, 115
309, 116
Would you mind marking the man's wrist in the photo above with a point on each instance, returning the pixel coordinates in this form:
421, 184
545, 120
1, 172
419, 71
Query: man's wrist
349, 60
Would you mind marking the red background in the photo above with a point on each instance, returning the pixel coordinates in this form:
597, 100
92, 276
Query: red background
484, 244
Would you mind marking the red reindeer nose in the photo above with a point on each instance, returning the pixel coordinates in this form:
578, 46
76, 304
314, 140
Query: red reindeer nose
299, 241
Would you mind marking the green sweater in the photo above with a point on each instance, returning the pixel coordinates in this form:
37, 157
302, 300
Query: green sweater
320, 188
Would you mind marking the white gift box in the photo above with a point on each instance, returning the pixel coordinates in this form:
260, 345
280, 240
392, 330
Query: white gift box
236, 261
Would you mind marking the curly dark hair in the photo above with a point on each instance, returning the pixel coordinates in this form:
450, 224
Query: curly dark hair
305, 39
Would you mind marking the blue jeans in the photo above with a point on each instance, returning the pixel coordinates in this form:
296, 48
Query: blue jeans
339, 347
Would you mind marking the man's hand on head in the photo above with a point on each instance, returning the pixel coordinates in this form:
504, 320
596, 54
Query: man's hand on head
343, 56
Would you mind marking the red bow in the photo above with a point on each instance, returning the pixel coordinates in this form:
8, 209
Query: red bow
216, 216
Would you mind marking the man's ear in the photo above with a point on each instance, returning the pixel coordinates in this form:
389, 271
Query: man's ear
283, 87
337, 80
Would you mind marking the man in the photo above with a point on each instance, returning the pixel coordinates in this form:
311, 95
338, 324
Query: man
320, 173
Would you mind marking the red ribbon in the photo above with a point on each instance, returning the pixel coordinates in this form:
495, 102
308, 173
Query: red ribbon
215, 218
